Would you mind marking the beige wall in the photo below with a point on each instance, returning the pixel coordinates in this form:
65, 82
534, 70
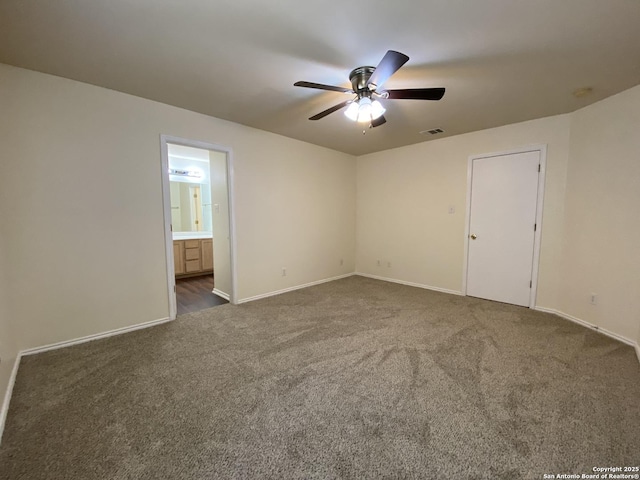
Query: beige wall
8, 347
299, 216
404, 197
602, 216
86, 240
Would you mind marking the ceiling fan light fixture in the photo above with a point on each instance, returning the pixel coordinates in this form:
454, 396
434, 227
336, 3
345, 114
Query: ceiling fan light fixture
364, 110
377, 110
352, 111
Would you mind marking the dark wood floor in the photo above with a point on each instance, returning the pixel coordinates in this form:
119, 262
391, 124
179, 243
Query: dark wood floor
194, 294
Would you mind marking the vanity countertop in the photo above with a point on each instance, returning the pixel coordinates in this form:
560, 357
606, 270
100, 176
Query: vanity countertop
191, 235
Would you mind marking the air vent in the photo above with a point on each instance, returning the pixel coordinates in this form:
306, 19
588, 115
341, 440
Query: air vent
433, 131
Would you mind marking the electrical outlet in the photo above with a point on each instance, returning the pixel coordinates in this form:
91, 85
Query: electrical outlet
388, 264
452, 209
379, 263
284, 272
341, 261
593, 299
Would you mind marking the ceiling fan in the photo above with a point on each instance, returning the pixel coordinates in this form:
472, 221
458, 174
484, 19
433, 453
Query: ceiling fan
366, 84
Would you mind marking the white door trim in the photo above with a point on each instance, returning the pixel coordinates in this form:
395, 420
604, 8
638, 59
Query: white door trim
542, 149
166, 199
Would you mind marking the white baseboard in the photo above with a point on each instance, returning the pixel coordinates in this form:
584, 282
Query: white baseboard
291, 289
584, 323
4, 410
410, 284
220, 293
97, 336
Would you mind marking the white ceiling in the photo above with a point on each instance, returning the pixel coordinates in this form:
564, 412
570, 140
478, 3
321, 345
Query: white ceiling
502, 61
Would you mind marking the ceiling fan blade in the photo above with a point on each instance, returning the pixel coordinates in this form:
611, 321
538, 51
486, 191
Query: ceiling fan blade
390, 64
326, 112
416, 94
321, 86
376, 122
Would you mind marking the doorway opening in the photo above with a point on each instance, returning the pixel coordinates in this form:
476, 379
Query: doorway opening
198, 212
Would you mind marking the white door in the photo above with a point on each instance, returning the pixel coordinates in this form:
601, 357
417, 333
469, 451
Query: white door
504, 194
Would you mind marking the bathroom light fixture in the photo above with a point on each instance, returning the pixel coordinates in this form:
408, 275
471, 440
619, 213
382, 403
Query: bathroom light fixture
364, 110
185, 173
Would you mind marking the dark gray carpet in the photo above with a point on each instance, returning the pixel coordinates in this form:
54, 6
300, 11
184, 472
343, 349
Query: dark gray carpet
351, 379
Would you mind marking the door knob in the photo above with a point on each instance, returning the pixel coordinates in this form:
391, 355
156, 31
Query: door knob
473, 236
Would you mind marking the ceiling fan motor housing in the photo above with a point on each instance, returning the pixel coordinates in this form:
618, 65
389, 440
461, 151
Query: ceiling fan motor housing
359, 78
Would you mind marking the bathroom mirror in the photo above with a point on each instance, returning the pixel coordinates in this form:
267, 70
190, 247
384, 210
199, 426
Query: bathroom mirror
190, 207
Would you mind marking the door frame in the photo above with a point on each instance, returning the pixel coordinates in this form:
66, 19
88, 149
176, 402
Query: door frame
542, 149
166, 201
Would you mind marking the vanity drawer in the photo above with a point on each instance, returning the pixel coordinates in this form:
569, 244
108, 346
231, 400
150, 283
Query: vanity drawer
192, 254
192, 243
192, 266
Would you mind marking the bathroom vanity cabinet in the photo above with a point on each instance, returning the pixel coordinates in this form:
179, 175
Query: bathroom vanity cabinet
193, 256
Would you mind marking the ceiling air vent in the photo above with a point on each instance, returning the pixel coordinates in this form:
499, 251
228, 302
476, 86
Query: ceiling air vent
433, 131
